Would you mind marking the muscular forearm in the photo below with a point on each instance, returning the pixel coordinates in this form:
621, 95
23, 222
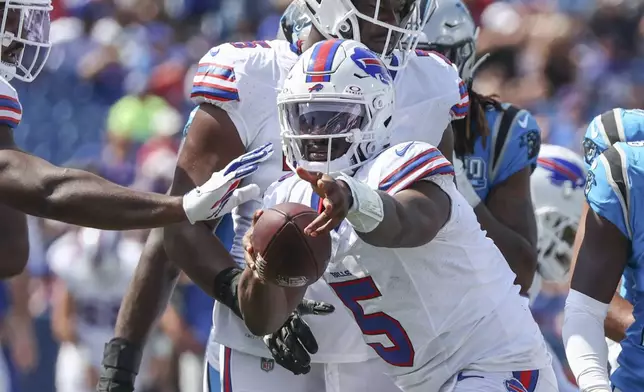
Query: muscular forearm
14, 242
519, 253
198, 253
391, 233
265, 306
619, 318
148, 293
409, 209
38, 188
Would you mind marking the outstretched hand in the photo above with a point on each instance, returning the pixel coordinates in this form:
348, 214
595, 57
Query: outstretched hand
336, 201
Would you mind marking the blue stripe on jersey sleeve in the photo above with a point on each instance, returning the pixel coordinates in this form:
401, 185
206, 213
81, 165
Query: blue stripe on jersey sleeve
212, 92
421, 164
216, 71
9, 103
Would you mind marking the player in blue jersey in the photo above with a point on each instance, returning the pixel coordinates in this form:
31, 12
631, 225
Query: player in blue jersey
615, 125
496, 145
609, 245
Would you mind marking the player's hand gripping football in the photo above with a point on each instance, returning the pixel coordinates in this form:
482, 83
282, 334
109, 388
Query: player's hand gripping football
220, 194
336, 200
292, 344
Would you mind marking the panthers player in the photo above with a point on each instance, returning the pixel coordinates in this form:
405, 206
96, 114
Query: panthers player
235, 87
403, 236
496, 145
33, 186
557, 185
608, 246
616, 125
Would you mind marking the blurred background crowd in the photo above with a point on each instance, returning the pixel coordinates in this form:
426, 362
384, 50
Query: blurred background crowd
113, 99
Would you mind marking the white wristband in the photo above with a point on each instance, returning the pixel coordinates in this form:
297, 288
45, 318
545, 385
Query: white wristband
367, 210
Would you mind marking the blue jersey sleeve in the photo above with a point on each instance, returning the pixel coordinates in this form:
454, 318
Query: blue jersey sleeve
598, 136
521, 149
614, 126
605, 190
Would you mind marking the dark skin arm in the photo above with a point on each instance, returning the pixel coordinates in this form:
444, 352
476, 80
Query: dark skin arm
600, 259
412, 218
620, 312
36, 187
446, 146
211, 143
193, 248
14, 242
508, 217
148, 293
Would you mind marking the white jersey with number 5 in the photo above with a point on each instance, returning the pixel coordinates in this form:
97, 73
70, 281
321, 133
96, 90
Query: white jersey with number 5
434, 310
243, 79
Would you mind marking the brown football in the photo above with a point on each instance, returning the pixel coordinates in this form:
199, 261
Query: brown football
284, 254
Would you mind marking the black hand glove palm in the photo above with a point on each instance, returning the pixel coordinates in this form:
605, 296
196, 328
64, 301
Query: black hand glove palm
293, 343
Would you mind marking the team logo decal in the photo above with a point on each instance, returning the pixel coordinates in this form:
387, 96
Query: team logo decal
562, 171
514, 385
531, 140
371, 65
316, 87
590, 182
590, 150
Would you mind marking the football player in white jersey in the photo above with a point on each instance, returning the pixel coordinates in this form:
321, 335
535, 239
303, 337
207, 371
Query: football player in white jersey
30, 185
236, 86
93, 268
431, 294
557, 185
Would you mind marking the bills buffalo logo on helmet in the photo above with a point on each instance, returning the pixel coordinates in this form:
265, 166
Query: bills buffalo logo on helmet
371, 65
315, 88
562, 171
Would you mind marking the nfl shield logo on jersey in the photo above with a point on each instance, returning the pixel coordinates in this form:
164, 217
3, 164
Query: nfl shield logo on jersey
267, 364
514, 385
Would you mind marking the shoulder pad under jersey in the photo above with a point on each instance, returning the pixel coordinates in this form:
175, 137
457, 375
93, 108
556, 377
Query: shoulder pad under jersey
615, 125
607, 186
218, 77
396, 168
10, 108
451, 81
517, 141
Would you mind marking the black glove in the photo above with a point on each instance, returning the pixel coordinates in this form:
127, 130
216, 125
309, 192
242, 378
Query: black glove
291, 344
121, 361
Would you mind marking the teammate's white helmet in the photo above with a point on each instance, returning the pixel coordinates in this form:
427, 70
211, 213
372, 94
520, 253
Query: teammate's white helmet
25, 38
335, 107
295, 23
452, 32
340, 19
557, 186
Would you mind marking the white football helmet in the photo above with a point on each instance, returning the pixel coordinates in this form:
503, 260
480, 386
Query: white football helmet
452, 32
339, 19
557, 186
335, 107
25, 38
295, 23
